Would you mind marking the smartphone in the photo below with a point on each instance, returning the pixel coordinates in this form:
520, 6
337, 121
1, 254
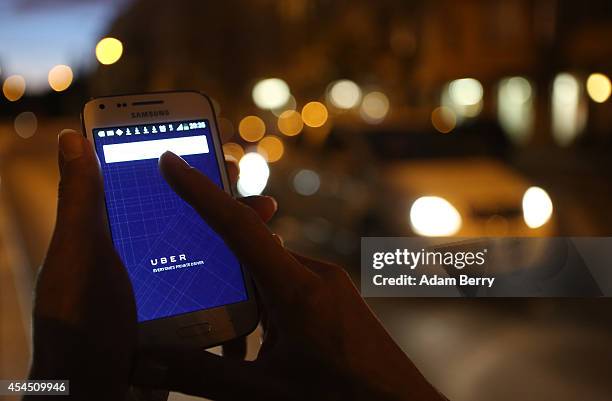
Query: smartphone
190, 288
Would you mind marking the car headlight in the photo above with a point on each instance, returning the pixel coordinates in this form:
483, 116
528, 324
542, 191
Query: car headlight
433, 216
537, 207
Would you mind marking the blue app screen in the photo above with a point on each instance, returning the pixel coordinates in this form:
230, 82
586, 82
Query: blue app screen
176, 262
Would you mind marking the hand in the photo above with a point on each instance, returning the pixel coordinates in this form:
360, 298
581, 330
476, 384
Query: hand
321, 339
84, 319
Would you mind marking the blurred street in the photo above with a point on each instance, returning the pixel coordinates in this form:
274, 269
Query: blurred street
28, 198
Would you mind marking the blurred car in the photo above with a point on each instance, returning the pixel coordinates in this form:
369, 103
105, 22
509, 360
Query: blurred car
474, 196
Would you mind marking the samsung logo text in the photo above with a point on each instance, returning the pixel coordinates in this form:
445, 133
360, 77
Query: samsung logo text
150, 113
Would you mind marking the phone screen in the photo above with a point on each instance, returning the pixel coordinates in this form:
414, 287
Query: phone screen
176, 262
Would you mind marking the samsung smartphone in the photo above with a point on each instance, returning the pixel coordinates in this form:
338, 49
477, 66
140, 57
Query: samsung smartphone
190, 289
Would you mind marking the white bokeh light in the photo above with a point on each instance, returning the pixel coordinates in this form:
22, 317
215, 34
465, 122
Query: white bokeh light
306, 182
344, 94
254, 174
568, 109
433, 216
466, 91
537, 207
374, 107
271, 93
464, 97
25, 124
515, 108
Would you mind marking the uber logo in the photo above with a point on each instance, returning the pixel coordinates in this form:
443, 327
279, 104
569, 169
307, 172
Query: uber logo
168, 259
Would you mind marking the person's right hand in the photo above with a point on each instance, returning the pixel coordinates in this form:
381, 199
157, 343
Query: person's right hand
321, 340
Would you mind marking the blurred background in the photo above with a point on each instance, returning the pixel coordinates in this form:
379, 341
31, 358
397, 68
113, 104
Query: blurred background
386, 118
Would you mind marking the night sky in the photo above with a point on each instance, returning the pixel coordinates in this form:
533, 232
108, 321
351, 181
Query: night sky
36, 35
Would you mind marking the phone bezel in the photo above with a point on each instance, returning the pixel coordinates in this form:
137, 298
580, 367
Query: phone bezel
189, 329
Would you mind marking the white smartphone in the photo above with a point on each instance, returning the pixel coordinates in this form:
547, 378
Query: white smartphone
189, 287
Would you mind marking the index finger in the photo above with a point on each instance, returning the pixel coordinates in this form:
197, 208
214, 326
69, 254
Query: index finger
274, 269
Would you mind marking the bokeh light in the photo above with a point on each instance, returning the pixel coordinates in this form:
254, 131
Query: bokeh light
233, 150
517, 89
433, 216
290, 123
109, 50
254, 174
443, 119
26, 124
537, 207
374, 107
271, 147
314, 114
464, 97
271, 93
568, 109
465, 91
60, 77
14, 87
599, 87
252, 128
344, 94
515, 108
306, 182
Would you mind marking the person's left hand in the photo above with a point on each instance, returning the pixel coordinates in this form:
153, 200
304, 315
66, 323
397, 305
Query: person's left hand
84, 319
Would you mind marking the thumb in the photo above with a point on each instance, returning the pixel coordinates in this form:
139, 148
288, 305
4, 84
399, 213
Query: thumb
80, 193
80, 234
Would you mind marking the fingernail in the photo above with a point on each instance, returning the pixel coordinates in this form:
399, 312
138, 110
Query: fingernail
174, 159
274, 202
279, 239
70, 144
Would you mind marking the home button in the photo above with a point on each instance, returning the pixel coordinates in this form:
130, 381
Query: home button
195, 330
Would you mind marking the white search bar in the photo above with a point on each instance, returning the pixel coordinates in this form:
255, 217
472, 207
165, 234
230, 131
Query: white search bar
125, 152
